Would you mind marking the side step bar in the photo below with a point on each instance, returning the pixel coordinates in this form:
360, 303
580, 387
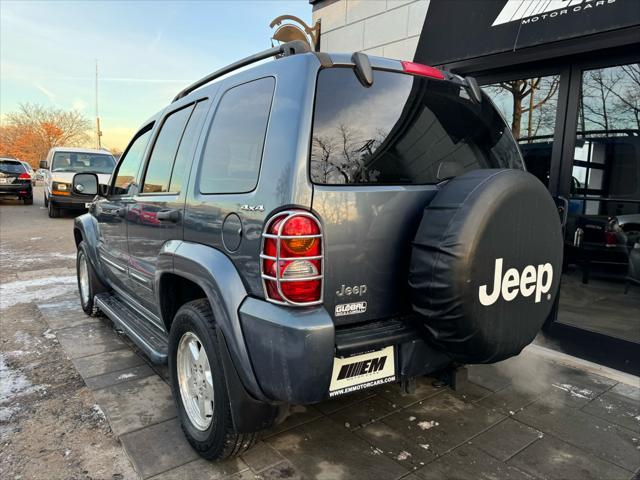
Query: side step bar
151, 341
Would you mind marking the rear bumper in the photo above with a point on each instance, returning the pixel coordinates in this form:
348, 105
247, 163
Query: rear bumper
17, 190
292, 350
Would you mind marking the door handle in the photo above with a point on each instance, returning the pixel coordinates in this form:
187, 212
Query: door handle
169, 216
562, 204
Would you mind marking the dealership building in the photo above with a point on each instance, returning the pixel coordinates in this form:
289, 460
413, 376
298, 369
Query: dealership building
566, 76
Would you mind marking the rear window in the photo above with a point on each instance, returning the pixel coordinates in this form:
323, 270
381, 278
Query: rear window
11, 167
403, 130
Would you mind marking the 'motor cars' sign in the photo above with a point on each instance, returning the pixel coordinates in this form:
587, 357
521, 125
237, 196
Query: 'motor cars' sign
528, 11
485, 27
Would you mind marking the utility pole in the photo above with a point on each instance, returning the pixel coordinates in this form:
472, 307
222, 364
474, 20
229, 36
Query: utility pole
98, 131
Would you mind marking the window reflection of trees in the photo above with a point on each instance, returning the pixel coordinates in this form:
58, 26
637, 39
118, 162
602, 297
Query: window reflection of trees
342, 157
610, 101
529, 106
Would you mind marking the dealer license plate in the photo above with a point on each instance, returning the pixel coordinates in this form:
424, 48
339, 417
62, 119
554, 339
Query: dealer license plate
362, 371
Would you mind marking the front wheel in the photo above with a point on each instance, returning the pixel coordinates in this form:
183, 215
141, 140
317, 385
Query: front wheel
88, 282
54, 212
199, 387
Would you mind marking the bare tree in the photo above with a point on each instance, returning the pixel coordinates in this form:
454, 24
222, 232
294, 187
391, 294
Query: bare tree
534, 93
610, 99
31, 131
343, 153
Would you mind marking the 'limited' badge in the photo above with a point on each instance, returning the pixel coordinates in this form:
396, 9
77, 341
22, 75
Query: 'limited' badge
350, 308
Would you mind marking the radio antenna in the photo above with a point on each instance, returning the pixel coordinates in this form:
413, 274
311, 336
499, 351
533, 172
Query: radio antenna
98, 132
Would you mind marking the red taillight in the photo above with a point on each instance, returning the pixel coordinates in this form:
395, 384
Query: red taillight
24, 176
292, 259
423, 70
610, 239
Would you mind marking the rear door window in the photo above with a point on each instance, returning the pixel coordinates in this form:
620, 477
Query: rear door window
160, 165
232, 156
404, 129
187, 147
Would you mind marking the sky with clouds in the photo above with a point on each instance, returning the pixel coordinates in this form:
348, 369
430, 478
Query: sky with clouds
146, 51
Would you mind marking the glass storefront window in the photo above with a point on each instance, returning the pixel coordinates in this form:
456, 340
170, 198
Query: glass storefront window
529, 107
600, 289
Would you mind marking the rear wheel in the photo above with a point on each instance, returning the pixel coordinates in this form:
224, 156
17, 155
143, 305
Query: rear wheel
199, 386
28, 201
54, 212
88, 282
46, 201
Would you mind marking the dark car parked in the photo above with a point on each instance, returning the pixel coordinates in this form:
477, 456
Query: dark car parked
317, 225
15, 181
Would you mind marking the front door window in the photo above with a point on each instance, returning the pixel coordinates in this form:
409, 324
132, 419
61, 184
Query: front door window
600, 289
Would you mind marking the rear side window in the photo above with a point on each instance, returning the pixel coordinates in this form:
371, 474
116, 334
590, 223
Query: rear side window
232, 156
403, 130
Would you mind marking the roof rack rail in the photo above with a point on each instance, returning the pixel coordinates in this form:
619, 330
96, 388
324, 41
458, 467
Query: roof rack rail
284, 50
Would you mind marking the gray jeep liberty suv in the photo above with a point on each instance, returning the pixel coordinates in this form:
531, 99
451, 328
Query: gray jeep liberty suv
312, 226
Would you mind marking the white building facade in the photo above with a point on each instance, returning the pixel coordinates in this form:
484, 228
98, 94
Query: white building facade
389, 28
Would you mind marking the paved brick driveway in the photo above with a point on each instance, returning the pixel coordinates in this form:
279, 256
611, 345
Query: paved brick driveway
525, 418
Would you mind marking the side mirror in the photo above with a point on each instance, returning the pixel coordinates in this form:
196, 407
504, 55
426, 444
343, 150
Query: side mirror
44, 164
85, 183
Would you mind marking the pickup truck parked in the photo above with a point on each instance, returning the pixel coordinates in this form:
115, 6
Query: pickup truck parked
314, 226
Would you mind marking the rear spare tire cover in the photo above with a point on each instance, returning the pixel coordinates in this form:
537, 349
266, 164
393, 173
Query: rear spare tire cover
485, 264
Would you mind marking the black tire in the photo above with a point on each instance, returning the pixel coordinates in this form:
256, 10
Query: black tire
219, 440
46, 201
95, 286
28, 201
54, 212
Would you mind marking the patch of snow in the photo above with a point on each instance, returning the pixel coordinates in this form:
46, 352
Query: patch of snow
124, 376
425, 446
403, 455
574, 391
71, 256
511, 412
13, 383
6, 412
27, 291
35, 238
48, 334
428, 424
412, 418
98, 411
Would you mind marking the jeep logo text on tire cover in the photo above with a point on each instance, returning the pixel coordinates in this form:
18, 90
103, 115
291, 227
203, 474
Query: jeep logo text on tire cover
531, 280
